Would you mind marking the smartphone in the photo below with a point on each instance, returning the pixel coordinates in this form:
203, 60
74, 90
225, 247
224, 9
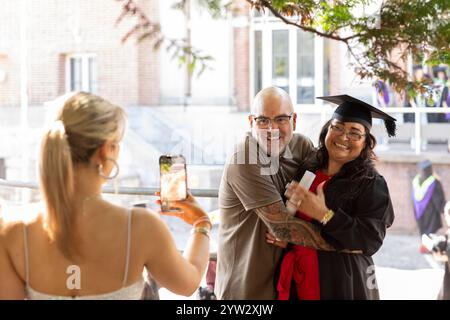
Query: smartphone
173, 180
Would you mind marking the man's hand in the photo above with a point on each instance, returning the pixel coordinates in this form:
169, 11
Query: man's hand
270, 238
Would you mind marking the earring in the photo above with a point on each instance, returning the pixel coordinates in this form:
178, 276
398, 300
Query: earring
100, 170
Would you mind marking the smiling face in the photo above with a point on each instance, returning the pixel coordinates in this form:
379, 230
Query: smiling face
275, 104
345, 141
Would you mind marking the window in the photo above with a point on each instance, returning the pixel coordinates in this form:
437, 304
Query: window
256, 13
81, 73
280, 59
305, 67
288, 58
258, 61
3, 64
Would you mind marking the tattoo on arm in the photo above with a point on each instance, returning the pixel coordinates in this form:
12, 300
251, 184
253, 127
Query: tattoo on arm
292, 229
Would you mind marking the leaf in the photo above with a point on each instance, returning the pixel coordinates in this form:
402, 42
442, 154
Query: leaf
191, 66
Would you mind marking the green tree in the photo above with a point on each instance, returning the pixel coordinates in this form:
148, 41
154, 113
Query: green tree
379, 42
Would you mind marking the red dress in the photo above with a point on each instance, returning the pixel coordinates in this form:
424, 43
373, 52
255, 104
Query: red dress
300, 263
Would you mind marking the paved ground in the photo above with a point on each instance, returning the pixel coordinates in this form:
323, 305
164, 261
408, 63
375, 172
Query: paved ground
401, 252
399, 284
403, 273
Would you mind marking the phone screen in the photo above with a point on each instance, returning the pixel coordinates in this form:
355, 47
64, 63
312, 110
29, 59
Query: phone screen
173, 184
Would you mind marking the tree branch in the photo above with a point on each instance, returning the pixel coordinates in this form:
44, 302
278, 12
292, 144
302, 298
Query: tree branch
145, 29
275, 12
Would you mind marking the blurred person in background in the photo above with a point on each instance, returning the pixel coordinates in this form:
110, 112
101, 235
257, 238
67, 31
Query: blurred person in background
439, 246
428, 200
441, 252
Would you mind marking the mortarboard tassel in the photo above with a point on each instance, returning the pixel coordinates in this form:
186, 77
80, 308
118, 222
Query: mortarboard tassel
391, 127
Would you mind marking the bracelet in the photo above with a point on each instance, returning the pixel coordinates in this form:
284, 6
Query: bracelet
327, 217
202, 219
201, 230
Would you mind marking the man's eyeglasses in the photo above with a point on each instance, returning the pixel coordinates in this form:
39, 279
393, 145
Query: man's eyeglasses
264, 122
351, 135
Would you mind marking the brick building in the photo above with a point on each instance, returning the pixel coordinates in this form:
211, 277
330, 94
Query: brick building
73, 45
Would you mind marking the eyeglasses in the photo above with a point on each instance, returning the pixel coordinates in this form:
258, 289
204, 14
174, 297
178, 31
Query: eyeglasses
264, 122
352, 135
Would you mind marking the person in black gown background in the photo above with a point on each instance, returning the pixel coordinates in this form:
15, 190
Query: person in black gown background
428, 199
442, 253
350, 202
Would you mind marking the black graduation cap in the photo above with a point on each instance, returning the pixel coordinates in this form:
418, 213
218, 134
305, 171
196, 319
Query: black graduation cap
424, 164
353, 110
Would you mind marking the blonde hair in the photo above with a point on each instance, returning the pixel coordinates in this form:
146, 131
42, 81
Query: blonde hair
84, 123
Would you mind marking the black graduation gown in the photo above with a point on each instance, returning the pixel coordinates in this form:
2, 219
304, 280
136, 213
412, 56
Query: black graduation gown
430, 221
358, 224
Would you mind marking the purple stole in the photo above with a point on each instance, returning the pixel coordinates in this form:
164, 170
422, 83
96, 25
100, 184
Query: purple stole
422, 194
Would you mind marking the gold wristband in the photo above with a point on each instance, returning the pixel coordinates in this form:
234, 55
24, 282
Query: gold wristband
327, 217
201, 230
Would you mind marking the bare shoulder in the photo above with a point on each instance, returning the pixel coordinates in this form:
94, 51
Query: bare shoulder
145, 215
150, 233
8, 227
148, 223
14, 219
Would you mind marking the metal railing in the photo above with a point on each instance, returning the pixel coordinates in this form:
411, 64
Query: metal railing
204, 193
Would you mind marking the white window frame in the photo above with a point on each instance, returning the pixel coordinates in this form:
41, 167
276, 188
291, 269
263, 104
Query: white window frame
85, 85
267, 24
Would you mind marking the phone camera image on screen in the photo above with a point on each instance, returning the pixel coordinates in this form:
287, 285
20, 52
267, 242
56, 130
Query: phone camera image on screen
173, 185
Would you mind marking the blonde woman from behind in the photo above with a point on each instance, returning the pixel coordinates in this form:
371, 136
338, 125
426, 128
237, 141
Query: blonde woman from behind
82, 246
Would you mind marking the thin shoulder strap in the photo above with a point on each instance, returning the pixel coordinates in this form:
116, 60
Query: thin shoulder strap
127, 258
25, 245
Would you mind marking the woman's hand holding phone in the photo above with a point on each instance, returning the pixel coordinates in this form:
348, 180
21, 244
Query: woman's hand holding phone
174, 197
173, 180
190, 210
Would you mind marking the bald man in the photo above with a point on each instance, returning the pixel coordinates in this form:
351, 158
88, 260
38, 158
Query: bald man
251, 200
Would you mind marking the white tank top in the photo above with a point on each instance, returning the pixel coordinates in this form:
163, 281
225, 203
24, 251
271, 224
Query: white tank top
131, 292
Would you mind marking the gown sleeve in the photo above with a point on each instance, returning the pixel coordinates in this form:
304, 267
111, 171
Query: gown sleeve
364, 226
438, 198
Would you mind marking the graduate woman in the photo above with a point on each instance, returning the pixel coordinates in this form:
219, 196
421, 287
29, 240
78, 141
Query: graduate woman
350, 202
428, 199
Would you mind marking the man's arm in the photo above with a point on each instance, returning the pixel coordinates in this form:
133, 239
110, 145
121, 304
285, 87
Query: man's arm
291, 229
